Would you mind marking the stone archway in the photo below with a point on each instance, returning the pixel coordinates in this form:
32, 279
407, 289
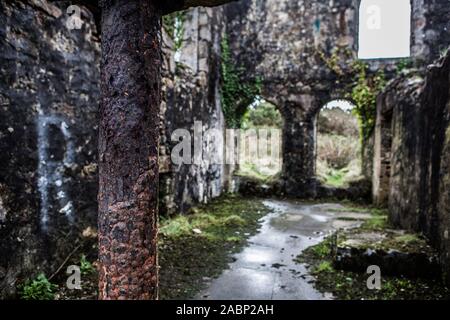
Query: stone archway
260, 145
338, 144
307, 56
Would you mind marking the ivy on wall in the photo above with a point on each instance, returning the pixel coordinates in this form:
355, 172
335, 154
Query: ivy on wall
364, 94
174, 25
338, 59
236, 93
364, 89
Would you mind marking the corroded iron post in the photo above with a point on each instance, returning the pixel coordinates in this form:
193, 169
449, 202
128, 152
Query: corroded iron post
128, 149
128, 144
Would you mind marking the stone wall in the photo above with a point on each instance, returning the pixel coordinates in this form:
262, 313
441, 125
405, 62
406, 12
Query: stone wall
389, 134
49, 96
430, 30
192, 95
304, 50
418, 183
48, 137
443, 204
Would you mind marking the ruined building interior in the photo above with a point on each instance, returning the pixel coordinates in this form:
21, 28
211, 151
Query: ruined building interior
302, 55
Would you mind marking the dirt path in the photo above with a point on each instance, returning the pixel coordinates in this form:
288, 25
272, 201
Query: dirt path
265, 269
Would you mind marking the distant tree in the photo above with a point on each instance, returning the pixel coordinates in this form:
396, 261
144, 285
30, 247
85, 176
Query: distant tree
263, 115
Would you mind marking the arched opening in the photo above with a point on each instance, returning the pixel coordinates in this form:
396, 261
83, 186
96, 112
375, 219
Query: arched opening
384, 29
260, 141
338, 147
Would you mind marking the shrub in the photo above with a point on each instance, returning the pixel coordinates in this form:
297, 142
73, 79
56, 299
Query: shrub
337, 151
85, 266
337, 121
38, 289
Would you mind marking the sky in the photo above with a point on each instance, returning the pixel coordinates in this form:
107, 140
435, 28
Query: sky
343, 104
384, 29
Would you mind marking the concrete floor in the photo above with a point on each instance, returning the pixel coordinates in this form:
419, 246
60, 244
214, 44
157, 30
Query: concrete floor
265, 269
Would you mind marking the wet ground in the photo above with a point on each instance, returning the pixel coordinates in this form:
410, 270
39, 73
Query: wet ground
265, 269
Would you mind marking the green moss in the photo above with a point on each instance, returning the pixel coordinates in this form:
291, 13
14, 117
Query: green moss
233, 220
355, 208
236, 93
408, 239
323, 267
350, 285
323, 249
234, 239
203, 222
376, 222
336, 178
186, 257
346, 285
176, 227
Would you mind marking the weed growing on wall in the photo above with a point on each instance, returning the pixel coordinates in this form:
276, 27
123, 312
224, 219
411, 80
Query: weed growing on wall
236, 93
174, 25
364, 94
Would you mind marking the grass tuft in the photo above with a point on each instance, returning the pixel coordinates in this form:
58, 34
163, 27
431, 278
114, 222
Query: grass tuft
188, 257
323, 267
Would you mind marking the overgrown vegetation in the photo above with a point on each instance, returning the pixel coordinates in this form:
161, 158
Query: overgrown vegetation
346, 285
364, 94
261, 174
197, 247
376, 222
39, 288
336, 150
337, 178
338, 161
236, 92
338, 59
403, 64
365, 87
85, 266
192, 249
261, 115
174, 25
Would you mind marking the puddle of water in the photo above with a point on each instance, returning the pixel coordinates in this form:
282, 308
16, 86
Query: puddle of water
266, 267
319, 218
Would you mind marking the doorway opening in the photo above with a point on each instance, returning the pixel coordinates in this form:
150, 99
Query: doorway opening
338, 146
260, 141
